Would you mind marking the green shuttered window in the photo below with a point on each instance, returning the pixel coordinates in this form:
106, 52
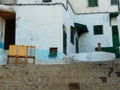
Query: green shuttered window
114, 2
64, 42
98, 29
72, 35
92, 3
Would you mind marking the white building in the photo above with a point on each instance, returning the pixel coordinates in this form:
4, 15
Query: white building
100, 16
61, 26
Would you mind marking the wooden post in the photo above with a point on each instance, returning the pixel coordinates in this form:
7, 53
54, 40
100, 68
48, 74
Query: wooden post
99, 47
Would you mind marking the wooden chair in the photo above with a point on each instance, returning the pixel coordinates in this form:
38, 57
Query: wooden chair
31, 53
22, 53
12, 53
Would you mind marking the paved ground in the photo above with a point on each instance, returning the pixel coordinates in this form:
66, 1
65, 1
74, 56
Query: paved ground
73, 76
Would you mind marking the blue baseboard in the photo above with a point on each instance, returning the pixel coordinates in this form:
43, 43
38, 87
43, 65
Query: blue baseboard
1, 45
44, 55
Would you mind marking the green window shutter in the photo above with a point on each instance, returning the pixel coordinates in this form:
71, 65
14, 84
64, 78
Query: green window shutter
92, 3
115, 30
64, 42
114, 2
77, 45
72, 35
98, 29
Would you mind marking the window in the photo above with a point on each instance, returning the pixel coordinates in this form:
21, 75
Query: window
92, 3
72, 35
98, 29
53, 52
114, 2
47, 0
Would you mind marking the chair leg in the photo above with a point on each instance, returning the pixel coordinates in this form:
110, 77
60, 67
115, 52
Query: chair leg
33, 60
25, 61
8, 60
16, 60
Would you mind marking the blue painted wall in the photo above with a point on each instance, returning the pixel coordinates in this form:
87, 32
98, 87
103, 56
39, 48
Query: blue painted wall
44, 55
1, 45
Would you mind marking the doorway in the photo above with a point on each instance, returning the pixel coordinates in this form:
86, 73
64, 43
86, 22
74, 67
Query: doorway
9, 37
9, 28
115, 36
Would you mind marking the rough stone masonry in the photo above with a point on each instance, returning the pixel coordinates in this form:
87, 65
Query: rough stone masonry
73, 76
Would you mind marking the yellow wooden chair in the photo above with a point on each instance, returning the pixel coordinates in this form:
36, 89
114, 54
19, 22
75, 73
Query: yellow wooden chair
31, 53
22, 53
12, 53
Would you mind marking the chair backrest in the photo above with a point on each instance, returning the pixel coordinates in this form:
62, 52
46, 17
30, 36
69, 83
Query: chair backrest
31, 51
22, 51
13, 50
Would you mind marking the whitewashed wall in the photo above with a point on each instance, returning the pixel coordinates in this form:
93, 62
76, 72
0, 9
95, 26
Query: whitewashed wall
88, 41
68, 20
40, 26
81, 6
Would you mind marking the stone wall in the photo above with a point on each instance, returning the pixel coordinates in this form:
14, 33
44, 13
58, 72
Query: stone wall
73, 76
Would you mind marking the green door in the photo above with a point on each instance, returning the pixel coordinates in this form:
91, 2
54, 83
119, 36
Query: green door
115, 36
77, 46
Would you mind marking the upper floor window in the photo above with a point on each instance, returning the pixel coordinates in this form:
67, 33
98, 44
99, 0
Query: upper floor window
98, 29
114, 2
92, 3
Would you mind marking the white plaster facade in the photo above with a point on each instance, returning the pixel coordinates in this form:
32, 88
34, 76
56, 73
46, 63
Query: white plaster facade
88, 41
39, 29
81, 6
41, 24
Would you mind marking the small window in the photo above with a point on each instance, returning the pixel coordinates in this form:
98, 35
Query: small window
114, 2
98, 29
53, 52
47, 0
92, 3
72, 35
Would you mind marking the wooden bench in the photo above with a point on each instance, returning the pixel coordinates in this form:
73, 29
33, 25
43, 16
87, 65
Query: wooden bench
21, 51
